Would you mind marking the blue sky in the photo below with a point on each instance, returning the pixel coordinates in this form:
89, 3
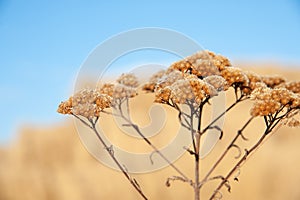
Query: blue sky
43, 43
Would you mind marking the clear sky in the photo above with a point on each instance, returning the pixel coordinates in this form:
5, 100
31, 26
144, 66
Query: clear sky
43, 43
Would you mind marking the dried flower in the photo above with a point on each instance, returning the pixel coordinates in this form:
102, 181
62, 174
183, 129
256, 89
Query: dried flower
123, 91
108, 89
118, 91
163, 95
202, 89
183, 66
272, 81
150, 86
235, 77
218, 82
202, 64
129, 80
253, 80
293, 86
87, 103
264, 108
65, 107
168, 79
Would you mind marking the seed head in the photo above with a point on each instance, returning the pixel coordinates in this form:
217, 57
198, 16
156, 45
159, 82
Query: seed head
218, 82
123, 91
235, 77
192, 90
168, 79
107, 88
150, 86
202, 64
293, 86
273, 81
129, 80
163, 95
89, 103
65, 107
253, 80
264, 108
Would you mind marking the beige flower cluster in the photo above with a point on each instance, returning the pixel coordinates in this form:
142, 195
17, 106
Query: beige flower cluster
87, 103
150, 86
201, 64
90, 102
273, 80
188, 89
129, 80
293, 86
268, 101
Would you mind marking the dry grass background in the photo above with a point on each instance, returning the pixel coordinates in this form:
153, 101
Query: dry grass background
52, 164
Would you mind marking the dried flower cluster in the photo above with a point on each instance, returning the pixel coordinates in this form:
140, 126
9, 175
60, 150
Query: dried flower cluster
129, 80
187, 88
87, 103
90, 102
235, 76
270, 100
150, 86
293, 86
273, 81
201, 64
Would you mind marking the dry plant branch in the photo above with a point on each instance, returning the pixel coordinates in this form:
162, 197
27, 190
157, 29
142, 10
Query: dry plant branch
193, 82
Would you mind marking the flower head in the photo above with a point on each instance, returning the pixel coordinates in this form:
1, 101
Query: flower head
129, 80
253, 80
150, 86
293, 86
87, 103
65, 107
235, 77
218, 82
273, 81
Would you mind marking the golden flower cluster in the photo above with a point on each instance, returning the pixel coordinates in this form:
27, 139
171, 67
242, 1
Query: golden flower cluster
125, 87
253, 80
108, 89
269, 100
189, 89
170, 77
163, 95
123, 91
202, 64
65, 107
218, 82
293, 86
235, 76
273, 80
129, 80
264, 108
150, 86
87, 103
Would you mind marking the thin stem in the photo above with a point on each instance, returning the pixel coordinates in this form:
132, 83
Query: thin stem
239, 134
111, 154
269, 128
192, 130
158, 151
136, 128
197, 153
222, 114
237, 166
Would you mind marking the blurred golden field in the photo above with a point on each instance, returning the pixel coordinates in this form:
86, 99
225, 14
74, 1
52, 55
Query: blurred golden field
50, 163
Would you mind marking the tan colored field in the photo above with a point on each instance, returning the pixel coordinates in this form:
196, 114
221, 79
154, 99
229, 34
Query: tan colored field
52, 164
